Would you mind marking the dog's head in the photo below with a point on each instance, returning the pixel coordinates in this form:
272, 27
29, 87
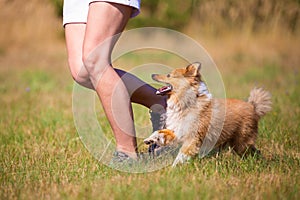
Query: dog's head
161, 137
179, 79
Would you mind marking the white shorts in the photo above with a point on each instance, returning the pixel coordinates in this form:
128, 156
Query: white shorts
76, 11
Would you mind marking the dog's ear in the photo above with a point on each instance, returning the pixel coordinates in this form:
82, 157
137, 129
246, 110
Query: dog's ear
193, 69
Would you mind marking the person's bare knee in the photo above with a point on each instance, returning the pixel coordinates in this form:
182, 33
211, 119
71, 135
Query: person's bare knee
79, 73
95, 65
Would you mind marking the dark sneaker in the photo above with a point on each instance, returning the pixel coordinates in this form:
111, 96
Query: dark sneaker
144, 163
121, 160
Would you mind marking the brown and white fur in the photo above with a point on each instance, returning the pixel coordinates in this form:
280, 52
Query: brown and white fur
194, 119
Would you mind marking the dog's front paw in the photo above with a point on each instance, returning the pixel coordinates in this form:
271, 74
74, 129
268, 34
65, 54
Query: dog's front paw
181, 158
161, 137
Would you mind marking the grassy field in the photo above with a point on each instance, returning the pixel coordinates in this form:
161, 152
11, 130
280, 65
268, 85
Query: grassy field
42, 156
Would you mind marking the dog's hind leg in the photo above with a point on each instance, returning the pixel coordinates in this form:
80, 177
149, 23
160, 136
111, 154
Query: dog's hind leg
245, 147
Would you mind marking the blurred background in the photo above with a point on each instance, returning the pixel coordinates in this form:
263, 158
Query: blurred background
230, 30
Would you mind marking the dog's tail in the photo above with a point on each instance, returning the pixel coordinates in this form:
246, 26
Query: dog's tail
261, 100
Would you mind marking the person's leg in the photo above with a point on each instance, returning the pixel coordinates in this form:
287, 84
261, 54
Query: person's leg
142, 93
104, 21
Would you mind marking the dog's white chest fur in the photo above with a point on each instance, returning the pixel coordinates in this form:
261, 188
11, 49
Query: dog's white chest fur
181, 120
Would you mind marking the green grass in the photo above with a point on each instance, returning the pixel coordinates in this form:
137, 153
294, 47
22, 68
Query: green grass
42, 156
